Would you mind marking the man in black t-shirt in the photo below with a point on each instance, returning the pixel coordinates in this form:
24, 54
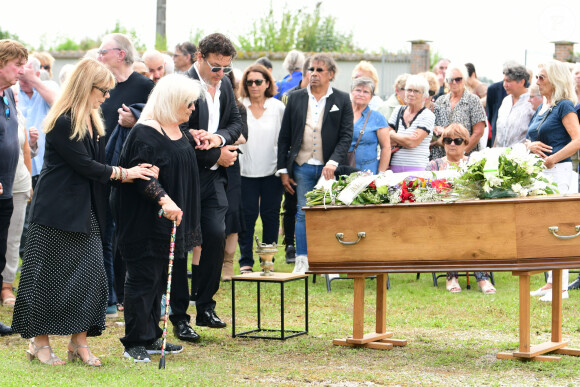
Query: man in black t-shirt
118, 54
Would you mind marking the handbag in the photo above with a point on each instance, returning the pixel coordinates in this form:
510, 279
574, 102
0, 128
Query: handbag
350, 156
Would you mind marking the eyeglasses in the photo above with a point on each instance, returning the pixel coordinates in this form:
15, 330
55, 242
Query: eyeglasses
535, 96
7, 110
413, 91
432, 93
317, 69
217, 69
103, 52
258, 82
104, 91
541, 76
454, 80
449, 140
46, 67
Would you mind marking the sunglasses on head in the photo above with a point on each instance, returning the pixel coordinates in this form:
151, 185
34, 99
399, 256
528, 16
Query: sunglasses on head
449, 140
7, 110
456, 80
258, 82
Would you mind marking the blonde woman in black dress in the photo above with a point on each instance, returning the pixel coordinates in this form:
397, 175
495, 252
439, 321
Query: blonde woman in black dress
63, 286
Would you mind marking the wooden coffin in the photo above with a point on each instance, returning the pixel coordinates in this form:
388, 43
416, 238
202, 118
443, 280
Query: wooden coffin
468, 235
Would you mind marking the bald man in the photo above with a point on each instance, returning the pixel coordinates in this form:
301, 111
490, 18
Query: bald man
155, 63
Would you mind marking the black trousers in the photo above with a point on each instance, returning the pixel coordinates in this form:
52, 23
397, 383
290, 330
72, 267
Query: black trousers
289, 219
214, 205
6, 208
145, 283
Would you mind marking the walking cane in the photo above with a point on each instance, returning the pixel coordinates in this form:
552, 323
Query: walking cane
168, 293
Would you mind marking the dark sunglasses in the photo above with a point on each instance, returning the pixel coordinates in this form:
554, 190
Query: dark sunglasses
541, 76
317, 69
46, 67
7, 110
189, 105
217, 69
104, 91
432, 92
456, 80
449, 140
258, 82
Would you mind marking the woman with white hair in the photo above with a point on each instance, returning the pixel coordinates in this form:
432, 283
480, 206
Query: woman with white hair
293, 65
458, 106
143, 236
412, 128
554, 135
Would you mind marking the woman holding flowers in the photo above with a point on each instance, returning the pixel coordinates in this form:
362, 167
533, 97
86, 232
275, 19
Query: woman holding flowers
554, 135
456, 139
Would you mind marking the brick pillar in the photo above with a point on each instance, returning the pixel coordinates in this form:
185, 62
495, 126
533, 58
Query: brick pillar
564, 51
420, 56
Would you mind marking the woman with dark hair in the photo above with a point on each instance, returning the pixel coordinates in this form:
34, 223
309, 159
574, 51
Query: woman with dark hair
261, 189
63, 286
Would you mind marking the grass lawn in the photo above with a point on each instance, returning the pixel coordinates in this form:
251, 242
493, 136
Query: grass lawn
452, 339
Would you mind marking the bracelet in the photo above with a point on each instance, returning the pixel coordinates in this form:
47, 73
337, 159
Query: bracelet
121, 173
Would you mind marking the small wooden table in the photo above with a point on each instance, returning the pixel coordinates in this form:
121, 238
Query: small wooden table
282, 279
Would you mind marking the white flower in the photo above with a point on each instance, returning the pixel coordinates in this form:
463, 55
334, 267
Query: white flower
516, 187
494, 181
486, 187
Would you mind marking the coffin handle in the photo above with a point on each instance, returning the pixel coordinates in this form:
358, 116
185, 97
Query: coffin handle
362, 234
554, 230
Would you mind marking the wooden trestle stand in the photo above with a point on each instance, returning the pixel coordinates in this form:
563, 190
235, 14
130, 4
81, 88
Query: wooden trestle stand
519, 235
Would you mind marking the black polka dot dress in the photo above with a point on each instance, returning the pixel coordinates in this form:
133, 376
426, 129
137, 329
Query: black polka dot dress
63, 285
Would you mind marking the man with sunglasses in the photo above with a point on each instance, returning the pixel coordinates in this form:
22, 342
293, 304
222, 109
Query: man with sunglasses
218, 116
314, 138
13, 57
118, 54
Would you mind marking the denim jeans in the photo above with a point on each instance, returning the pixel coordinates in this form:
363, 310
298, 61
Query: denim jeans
306, 176
260, 196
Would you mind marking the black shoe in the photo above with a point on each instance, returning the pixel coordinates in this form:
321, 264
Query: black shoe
184, 331
158, 344
575, 284
208, 318
138, 354
5, 330
290, 254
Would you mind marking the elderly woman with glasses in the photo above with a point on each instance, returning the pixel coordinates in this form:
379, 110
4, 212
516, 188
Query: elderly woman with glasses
458, 106
412, 128
370, 129
554, 135
456, 140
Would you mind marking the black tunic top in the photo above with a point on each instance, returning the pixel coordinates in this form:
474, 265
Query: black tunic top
140, 230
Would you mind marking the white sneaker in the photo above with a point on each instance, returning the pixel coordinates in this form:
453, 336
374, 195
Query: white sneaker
548, 296
540, 292
333, 276
301, 264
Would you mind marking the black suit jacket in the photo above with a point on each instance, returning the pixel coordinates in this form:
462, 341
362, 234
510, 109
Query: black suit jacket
73, 178
495, 95
230, 125
337, 128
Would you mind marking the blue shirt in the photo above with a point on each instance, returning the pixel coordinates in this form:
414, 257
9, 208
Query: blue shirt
366, 152
287, 83
552, 131
34, 109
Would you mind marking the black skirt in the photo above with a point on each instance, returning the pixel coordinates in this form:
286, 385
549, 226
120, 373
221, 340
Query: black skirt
63, 286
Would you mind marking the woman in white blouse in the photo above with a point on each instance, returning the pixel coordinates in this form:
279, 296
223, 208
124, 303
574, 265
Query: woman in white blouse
261, 190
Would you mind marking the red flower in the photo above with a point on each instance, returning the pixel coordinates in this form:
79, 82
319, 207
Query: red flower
372, 185
406, 196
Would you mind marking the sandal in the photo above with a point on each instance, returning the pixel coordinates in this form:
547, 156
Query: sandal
453, 286
8, 298
52, 360
487, 288
92, 360
246, 270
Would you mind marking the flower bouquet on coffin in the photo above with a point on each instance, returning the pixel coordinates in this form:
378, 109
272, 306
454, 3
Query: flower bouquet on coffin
503, 172
415, 189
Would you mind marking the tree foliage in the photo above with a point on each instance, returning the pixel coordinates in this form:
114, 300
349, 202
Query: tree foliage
309, 32
8, 35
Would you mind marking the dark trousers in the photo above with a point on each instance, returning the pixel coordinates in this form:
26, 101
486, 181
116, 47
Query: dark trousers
146, 282
179, 300
289, 219
25, 227
260, 196
214, 205
6, 208
108, 256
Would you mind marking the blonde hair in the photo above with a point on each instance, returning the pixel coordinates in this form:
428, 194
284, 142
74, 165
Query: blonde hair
74, 99
171, 92
456, 130
561, 80
45, 60
368, 68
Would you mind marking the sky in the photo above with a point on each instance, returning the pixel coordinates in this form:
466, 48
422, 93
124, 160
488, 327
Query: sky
486, 33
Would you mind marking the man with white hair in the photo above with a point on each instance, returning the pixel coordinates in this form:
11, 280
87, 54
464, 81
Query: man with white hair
155, 63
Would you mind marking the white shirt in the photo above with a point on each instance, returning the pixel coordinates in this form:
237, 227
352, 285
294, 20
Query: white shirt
260, 153
513, 120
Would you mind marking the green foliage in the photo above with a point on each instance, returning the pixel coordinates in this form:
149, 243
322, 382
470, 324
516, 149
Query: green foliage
139, 46
309, 32
435, 57
67, 44
196, 36
8, 35
160, 43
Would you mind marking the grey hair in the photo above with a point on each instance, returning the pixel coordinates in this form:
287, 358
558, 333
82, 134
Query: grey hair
419, 82
365, 82
516, 72
35, 64
328, 60
401, 81
458, 67
65, 71
293, 61
125, 44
